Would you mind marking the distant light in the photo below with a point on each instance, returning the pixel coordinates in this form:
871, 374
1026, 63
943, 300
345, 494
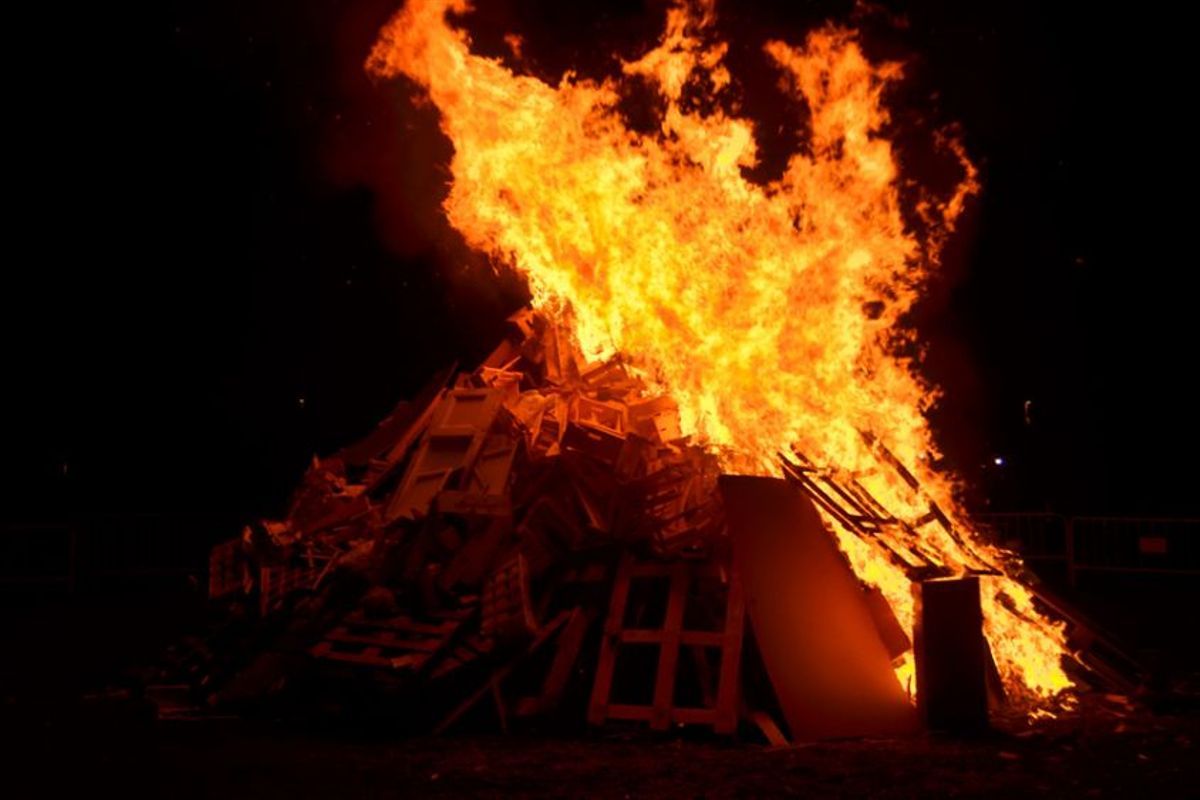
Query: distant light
300, 400
998, 461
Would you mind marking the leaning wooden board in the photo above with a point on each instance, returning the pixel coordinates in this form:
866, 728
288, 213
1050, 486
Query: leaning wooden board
829, 667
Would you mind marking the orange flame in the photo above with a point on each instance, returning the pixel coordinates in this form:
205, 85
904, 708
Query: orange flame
770, 313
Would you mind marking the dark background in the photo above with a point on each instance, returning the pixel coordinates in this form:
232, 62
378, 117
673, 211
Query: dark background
227, 256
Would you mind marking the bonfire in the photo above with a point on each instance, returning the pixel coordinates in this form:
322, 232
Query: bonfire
699, 347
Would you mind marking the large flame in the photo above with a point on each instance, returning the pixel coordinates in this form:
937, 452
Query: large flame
771, 313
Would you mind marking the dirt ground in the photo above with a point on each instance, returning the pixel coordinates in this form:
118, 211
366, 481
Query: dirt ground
61, 736
1101, 754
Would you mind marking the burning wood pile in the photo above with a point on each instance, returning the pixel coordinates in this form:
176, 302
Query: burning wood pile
535, 539
500, 514
532, 533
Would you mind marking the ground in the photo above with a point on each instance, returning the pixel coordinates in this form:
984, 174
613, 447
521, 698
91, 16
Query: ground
1105, 754
66, 732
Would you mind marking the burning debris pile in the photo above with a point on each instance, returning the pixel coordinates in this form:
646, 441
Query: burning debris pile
538, 538
495, 516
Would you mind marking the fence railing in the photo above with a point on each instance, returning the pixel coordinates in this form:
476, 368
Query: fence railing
1131, 545
104, 549
109, 548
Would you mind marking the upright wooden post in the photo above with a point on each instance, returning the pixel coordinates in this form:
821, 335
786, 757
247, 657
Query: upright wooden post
951, 659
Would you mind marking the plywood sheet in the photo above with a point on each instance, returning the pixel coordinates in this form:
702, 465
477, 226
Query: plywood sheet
830, 670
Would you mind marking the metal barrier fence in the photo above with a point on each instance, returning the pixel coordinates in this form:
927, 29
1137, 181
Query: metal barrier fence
114, 547
1128, 545
38, 555
104, 549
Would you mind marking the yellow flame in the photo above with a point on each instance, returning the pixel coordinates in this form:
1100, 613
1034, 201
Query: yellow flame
770, 313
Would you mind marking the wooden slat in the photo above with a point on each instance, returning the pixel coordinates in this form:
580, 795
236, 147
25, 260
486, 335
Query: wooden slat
678, 716
729, 683
658, 636
567, 653
427, 645
694, 716
668, 655
357, 619
598, 708
623, 711
369, 657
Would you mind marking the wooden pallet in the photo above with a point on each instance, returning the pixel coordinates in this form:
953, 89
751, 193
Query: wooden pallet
395, 643
722, 714
848, 502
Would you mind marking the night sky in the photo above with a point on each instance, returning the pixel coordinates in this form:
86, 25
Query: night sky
228, 254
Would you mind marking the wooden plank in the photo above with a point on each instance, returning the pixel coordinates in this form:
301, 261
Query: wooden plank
657, 636
427, 645
694, 716
729, 682
598, 707
358, 619
368, 657
668, 655
501, 711
570, 641
767, 726
624, 711
425, 404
